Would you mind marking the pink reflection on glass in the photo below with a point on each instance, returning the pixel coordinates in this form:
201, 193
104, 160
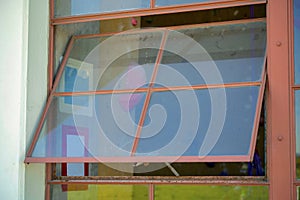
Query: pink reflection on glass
135, 77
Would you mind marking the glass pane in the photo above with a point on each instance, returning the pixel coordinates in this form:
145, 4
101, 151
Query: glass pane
82, 7
297, 40
64, 32
90, 126
177, 126
111, 63
193, 192
177, 2
256, 168
103, 192
181, 123
214, 55
297, 124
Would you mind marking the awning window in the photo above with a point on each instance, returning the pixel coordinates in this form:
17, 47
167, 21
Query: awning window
184, 94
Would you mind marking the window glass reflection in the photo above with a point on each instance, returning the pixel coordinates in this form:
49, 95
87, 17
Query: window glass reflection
177, 2
81, 7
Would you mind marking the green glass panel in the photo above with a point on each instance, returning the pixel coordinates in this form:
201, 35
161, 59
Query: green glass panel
103, 192
193, 192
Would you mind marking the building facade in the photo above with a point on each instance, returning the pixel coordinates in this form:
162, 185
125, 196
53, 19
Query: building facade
81, 83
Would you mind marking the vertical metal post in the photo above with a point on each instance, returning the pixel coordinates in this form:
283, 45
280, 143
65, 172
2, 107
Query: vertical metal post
48, 178
152, 3
279, 137
151, 191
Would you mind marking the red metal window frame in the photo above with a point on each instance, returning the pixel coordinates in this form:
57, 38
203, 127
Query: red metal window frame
153, 10
280, 135
133, 13
149, 91
293, 88
280, 107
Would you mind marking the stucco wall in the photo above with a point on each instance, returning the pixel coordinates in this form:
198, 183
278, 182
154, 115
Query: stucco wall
36, 89
13, 59
23, 81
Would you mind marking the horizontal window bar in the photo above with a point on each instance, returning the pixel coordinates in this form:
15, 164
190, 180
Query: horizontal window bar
160, 89
231, 180
218, 158
296, 87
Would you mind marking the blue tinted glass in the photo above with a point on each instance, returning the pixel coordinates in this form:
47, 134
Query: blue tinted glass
177, 2
105, 126
297, 40
171, 130
83, 7
71, 74
180, 72
161, 122
214, 55
240, 111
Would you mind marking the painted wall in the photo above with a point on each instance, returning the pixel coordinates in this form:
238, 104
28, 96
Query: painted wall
36, 89
13, 59
23, 72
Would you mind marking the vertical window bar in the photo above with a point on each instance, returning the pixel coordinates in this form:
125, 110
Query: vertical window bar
258, 110
152, 3
147, 100
48, 179
151, 191
51, 47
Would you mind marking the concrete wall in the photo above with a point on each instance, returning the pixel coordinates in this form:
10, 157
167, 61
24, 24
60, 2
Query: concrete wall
23, 81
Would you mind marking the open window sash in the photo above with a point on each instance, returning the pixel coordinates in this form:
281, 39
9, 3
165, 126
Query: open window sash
183, 94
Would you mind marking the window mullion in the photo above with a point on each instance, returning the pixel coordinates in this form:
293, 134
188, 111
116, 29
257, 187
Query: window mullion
149, 92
